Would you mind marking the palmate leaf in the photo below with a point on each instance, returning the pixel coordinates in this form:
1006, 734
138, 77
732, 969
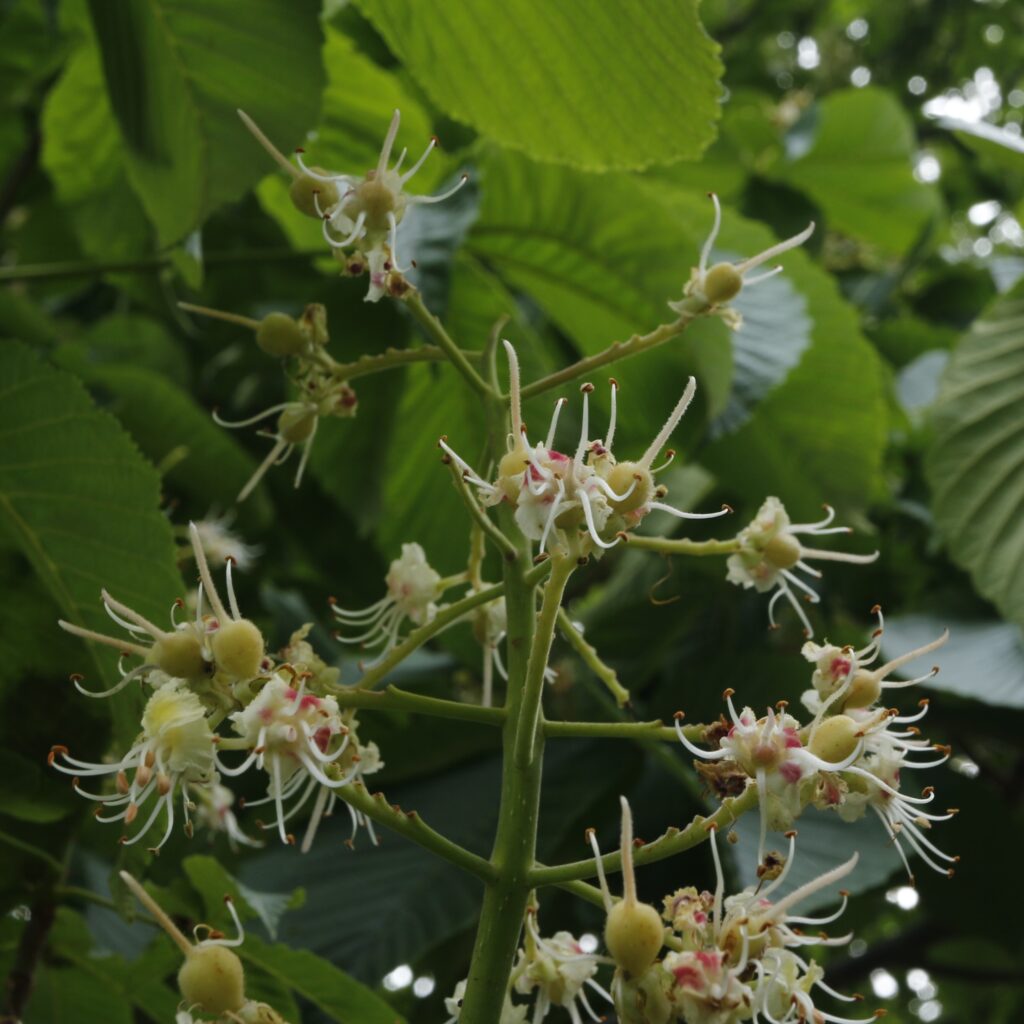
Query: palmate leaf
81, 503
976, 461
565, 82
176, 70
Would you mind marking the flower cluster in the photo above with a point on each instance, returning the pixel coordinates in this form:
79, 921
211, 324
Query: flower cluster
711, 289
848, 758
729, 959
588, 500
200, 672
361, 214
769, 554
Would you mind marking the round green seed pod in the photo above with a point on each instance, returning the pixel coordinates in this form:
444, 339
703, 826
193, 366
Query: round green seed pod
722, 283
865, 689
296, 423
621, 478
634, 934
179, 654
212, 978
835, 739
782, 551
238, 649
307, 192
280, 335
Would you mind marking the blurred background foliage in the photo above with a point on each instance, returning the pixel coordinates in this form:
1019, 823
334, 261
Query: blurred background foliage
883, 372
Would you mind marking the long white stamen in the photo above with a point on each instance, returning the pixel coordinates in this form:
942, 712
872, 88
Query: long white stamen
816, 884
354, 234
233, 424
584, 426
708, 755
749, 282
599, 865
276, 155
100, 638
514, 399
799, 583
610, 439
719, 882
775, 250
671, 423
588, 514
889, 666
307, 447
679, 514
261, 471
393, 242
204, 573
552, 514
839, 556
314, 819
419, 163
550, 440
389, 141
141, 622
705, 252
428, 200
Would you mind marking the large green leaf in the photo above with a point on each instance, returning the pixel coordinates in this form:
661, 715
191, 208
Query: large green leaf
976, 461
79, 500
84, 157
70, 995
176, 72
565, 82
603, 254
853, 156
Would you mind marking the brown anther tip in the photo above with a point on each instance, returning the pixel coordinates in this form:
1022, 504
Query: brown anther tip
881, 1013
586, 388
76, 677
845, 893
942, 748
728, 508
290, 839
952, 810
679, 715
299, 149
857, 997
465, 176
935, 670
956, 859
623, 536
782, 704
179, 602
123, 839
435, 140
349, 844
711, 826
924, 702
950, 873
791, 834
877, 633
774, 626
927, 791
587, 833
727, 693
711, 195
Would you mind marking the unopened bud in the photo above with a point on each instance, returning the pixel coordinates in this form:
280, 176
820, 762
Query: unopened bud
280, 335
307, 193
835, 739
722, 283
238, 649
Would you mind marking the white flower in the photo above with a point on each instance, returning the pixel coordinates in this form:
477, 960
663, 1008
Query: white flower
413, 590
554, 493
362, 212
220, 649
710, 289
306, 748
558, 970
221, 544
747, 965
842, 678
212, 811
174, 748
770, 751
770, 552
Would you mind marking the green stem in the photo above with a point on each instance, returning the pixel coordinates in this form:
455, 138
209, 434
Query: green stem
500, 541
419, 636
391, 359
672, 842
656, 730
394, 699
32, 850
515, 842
616, 351
590, 657
412, 826
682, 546
436, 332
530, 713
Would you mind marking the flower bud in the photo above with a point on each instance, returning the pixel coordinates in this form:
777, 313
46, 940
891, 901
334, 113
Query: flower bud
238, 649
307, 192
296, 423
722, 283
179, 654
835, 739
865, 689
280, 335
621, 478
634, 934
213, 979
